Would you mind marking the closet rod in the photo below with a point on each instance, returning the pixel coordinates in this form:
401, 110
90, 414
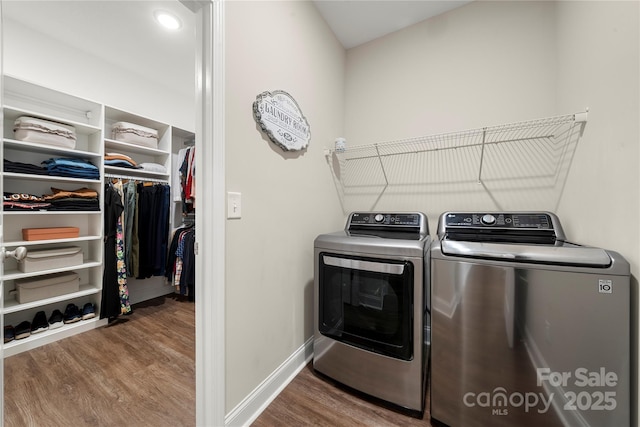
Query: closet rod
136, 178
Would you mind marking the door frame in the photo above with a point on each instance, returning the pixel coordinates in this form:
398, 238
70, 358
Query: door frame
210, 222
1, 220
210, 256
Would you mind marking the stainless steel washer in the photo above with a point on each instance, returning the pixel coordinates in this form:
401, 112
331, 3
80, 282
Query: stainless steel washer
527, 328
371, 297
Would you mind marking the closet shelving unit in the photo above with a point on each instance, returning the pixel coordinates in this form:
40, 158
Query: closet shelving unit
160, 155
515, 152
93, 123
26, 99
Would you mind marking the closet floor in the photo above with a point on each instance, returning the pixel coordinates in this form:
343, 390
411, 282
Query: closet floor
139, 370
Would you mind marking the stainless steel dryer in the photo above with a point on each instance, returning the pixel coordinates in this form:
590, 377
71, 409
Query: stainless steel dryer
371, 297
527, 328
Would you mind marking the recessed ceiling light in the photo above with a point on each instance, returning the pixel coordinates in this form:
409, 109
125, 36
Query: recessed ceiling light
167, 20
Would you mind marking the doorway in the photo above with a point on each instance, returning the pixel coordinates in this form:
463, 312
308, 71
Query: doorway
204, 28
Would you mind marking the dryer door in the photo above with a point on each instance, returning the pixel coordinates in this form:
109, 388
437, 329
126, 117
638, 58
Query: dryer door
367, 303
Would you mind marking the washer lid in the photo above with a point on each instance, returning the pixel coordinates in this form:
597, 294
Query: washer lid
545, 254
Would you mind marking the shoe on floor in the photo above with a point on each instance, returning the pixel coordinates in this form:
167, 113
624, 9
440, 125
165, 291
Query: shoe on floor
39, 323
9, 333
23, 330
72, 314
88, 311
56, 319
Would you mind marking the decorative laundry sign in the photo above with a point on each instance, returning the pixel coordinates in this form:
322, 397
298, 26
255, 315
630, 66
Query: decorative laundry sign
280, 118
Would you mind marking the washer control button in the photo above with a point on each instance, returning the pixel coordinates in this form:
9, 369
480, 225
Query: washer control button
488, 219
379, 218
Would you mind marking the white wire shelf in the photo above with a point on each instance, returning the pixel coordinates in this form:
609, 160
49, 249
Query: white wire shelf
534, 152
552, 129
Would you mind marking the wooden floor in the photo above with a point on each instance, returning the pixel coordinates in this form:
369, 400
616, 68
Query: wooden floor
137, 371
140, 371
310, 400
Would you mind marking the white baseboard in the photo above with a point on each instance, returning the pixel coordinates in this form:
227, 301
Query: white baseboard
257, 401
141, 290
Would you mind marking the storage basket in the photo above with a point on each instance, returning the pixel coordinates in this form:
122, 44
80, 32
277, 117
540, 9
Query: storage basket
48, 286
135, 134
48, 259
30, 129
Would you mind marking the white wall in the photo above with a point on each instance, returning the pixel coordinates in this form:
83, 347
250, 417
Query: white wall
484, 64
598, 53
287, 198
34, 57
489, 63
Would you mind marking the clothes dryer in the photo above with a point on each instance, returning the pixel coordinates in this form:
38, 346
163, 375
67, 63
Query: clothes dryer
371, 296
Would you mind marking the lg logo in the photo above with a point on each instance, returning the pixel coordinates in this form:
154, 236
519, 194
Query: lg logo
605, 286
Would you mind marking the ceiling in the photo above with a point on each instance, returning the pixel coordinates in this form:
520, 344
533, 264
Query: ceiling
125, 33
355, 22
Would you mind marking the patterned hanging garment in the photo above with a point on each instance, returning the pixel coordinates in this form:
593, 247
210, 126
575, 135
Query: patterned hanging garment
121, 267
125, 308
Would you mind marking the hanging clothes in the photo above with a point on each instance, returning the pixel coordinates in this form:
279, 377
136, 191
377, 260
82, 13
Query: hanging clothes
180, 269
186, 171
153, 231
110, 306
121, 270
130, 233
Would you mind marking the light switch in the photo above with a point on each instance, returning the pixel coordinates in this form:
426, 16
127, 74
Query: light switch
234, 205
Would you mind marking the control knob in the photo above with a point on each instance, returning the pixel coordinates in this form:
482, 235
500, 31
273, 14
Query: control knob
379, 218
488, 219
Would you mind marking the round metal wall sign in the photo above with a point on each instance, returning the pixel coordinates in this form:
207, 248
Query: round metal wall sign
280, 118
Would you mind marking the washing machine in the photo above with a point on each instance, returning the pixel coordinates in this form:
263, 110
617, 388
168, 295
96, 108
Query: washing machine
371, 317
528, 329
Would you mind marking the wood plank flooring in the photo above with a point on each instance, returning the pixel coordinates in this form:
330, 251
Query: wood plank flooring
139, 371
311, 400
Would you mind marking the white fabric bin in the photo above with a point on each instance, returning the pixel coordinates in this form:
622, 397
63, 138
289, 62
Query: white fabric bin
48, 259
135, 134
48, 286
31, 129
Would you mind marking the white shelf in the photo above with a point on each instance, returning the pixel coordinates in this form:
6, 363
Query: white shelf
56, 178
11, 113
12, 306
51, 335
503, 156
24, 96
15, 274
16, 212
32, 147
12, 244
116, 172
113, 145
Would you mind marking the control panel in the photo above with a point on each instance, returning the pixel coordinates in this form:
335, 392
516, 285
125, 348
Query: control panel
538, 221
385, 219
504, 227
